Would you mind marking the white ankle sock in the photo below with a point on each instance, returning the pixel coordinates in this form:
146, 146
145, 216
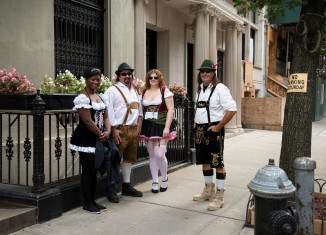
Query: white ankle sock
220, 184
208, 179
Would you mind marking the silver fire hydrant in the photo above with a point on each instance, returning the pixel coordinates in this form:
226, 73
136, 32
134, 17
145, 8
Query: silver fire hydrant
271, 189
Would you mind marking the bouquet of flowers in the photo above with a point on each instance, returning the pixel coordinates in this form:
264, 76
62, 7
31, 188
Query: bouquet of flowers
178, 89
138, 84
13, 82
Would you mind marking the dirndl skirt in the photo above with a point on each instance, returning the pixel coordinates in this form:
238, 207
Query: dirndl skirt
154, 131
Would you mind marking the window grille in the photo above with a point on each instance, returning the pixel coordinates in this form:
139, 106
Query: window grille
79, 33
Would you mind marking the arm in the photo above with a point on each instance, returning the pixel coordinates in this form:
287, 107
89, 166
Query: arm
140, 117
170, 107
105, 135
228, 104
227, 117
139, 124
115, 132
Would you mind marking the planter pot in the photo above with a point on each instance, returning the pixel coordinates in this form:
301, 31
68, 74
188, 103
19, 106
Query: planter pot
179, 101
24, 101
320, 225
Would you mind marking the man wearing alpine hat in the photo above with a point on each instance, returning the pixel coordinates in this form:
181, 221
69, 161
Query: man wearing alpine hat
125, 115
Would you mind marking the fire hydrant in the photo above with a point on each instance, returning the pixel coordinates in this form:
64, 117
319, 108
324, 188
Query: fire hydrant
271, 189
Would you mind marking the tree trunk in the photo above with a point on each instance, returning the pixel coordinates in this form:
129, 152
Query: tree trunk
296, 139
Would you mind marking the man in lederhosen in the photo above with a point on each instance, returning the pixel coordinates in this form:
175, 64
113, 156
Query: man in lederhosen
215, 107
125, 115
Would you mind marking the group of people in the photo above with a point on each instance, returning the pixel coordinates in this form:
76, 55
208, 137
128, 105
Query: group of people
126, 116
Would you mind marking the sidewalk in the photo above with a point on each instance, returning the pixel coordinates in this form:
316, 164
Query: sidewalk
174, 212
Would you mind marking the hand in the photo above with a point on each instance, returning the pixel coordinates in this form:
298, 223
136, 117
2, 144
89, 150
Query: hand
116, 135
215, 128
194, 125
166, 133
104, 136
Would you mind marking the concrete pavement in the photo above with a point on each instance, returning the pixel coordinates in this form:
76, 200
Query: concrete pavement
173, 211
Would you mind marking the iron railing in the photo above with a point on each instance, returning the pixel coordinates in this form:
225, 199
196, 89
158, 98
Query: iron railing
34, 145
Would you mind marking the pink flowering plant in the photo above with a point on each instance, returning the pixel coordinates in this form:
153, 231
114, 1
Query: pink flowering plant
15, 83
178, 89
138, 84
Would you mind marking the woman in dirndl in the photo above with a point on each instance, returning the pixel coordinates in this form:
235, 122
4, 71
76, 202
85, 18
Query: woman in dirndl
156, 131
93, 124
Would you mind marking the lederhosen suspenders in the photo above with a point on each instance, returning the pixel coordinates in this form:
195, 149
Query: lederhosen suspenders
129, 106
206, 104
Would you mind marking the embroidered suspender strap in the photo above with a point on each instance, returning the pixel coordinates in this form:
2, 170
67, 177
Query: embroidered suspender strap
127, 104
207, 104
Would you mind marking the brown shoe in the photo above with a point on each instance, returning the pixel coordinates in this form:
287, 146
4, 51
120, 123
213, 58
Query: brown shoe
217, 201
207, 194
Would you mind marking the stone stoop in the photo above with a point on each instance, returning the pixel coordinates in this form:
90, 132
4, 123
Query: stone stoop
14, 217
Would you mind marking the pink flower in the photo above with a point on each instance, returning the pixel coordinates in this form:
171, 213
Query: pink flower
13, 82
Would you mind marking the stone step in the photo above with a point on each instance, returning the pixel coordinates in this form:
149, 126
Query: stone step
14, 217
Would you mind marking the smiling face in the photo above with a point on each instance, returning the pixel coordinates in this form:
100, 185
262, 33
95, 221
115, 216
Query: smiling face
154, 77
206, 76
93, 82
126, 77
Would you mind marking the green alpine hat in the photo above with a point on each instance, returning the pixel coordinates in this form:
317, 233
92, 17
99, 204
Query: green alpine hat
207, 65
123, 66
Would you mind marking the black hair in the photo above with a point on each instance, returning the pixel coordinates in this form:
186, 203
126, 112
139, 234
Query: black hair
91, 72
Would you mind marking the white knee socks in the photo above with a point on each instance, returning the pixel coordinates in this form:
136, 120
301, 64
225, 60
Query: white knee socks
126, 171
152, 161
161, 160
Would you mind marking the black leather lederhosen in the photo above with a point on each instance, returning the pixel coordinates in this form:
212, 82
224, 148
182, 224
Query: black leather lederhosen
209, 145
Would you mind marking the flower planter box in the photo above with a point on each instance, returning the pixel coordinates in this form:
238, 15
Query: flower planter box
320, 225
24, 101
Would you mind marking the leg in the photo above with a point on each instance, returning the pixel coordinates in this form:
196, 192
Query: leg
129, 156
162, 163
209, 189
88, 182
152, 165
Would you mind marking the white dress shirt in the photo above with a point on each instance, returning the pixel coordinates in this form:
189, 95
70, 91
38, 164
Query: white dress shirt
220, 102
117, 107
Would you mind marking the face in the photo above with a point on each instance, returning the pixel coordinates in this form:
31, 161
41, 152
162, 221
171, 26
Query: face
126, 77
206, 76
153, 79
93, 82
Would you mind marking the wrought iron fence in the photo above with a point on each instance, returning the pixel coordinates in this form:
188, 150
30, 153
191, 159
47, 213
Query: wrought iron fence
34, 145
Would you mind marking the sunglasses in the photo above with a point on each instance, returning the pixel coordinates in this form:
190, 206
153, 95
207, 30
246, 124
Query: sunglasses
153, 78
206, 71
126, 74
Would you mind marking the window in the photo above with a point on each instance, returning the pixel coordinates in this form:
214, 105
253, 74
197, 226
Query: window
78, 35
252, 46
151, 49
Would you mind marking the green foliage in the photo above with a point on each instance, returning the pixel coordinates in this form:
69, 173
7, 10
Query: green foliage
67, 83
274, 7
